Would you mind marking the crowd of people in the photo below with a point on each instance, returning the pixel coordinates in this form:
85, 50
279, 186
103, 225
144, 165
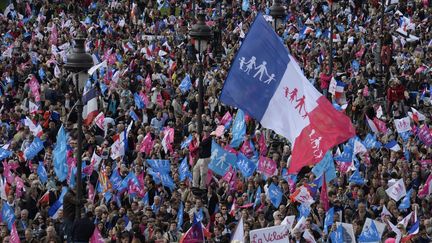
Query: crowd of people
145, 173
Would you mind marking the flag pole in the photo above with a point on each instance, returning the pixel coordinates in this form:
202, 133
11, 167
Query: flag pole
331, 39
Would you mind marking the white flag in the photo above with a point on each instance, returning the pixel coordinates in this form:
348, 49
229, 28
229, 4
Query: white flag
301, 225
415, 114
96, 67
95, 160
238, 236
308, 237
403, 124
33, 108
397, 190
289, 221
57, 72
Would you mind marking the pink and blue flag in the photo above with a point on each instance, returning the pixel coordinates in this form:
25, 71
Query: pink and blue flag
267, 83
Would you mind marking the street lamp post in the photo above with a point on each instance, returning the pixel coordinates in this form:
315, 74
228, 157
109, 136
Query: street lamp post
200, 34
277, 11
79, 62
331, 39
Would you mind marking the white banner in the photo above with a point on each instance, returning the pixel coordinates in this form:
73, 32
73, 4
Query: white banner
403, 124
275, 234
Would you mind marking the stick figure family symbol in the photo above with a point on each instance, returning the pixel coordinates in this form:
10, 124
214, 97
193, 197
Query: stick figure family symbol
300, 102
247, 66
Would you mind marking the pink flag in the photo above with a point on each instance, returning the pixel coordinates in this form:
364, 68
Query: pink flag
99, 120
427, 188
424, 134
267, 166
228, 175
324, 196
147, 144
112, 59
220, 130
34, 87
96, 237
28, 9
262, 145
14, 235
54, 35
380, 125
246, 148
360, 53
209, 177
159, 100
19, 186
144, 97
148, 82
91, 192
226, 118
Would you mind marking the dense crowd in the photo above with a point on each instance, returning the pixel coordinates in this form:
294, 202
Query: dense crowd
146, 176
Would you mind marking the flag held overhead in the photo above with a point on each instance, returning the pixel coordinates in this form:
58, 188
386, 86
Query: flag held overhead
266, 83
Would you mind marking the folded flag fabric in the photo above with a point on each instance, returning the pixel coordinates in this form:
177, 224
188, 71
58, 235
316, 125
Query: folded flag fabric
266, 83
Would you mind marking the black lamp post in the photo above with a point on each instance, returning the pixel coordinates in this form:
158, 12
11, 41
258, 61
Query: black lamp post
200, 34
331, 39
277, 11
79, 62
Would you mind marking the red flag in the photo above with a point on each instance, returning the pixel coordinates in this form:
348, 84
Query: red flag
324, 196
148, 82
44, 200
147, 144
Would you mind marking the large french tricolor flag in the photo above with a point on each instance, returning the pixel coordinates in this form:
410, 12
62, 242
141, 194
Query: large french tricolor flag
90, 109
267, 83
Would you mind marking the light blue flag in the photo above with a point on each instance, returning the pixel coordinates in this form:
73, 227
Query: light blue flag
200, 215
356, 178
41, 73
338, 235
406, 201
60, 155
35, 147
184, 171
275, 194
180, 216
239, 129
340, 28
167, 181
160, 165
369, 234
8, 215
246, 167
220, 159
4, 154
133, 115
407, 154
186, 84
186, 142
43, 176
328, 220
371, 142
245, 5
131, 177
355, 65
304, 211
257, 197
326, 165
139, 103
405, 135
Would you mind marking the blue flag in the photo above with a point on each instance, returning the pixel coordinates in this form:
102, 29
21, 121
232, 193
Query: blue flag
35, 147
167, 181
4, 153
406, 201
139, 103
356, 178
8, 215
60, 155
369, 234
257, 197
115, 180
328, 220
338, 235
405, 135
186, 84
355, 65
246, 167
57, 204
239, 129
180, 216
183, 170
220, 159
43, 176
245, 5
371, 142
275, 194
414, 229
41, 73
347, 154
130, 178
159, 165
326, 165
